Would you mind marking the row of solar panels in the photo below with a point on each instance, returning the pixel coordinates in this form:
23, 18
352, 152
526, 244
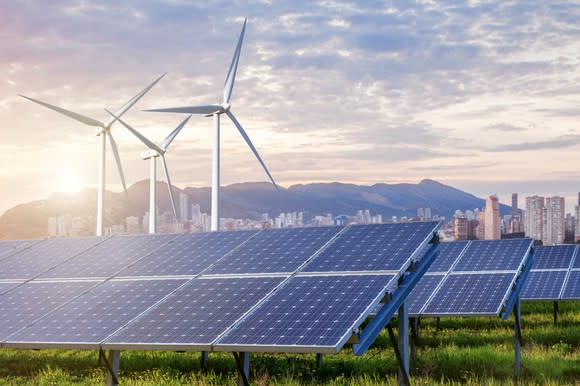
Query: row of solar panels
305, 289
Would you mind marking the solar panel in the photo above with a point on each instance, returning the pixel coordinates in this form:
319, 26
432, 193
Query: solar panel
9, 246
553, 257
422, 292
90, 318
197, 313
572, 289
109, 257
275, 250
309, 311
30, 301
189, 254
373, 247
473, 294
576, 264
5, 287
448, 253
493, 255
40, 257
543, 285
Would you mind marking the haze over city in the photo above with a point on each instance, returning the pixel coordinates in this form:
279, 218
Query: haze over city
481, 96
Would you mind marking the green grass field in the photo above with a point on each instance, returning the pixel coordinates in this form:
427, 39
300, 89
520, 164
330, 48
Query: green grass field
477, 351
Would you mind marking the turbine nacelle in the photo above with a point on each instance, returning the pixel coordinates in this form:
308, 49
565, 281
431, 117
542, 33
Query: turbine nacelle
147, 154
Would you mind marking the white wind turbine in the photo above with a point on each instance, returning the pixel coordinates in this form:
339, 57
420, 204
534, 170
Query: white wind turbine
153, 153
215, 111
103, 130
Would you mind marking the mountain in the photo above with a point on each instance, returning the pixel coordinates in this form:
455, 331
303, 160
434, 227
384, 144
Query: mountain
246, 200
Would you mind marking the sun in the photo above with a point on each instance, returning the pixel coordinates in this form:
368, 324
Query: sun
69, 182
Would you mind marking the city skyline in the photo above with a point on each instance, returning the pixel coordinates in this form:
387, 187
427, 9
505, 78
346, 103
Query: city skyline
433, 91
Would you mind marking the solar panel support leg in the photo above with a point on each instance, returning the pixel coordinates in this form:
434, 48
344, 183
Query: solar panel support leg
403, 344
319, 360
243, 365
204, 360
414, 337
555, 312
113, 364
518, 338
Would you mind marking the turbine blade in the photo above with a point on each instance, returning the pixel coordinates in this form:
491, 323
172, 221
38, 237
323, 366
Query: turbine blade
169, 187
137, 134
118, 161
247, 139
231, 76
174, 133
134, 100
203, 109
78, 117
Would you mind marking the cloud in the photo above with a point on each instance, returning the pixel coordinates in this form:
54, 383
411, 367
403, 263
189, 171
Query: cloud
556, 143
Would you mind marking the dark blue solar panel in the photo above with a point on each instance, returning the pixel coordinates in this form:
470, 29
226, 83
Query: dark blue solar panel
92, 317
422, 292
275, 250
476, 294
40, 257
9, 246
109, 257
448, 253
310, 311
553, 256
188, 255
198, 312
494, 255
373, 247
577, 261
543, 285
572, 290
30, 301
5, 287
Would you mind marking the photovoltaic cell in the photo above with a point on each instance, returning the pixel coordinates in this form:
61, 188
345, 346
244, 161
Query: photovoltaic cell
30, 301
109, 257
309, 311
553, 257
9, 246
422, 292
275, 250
30, 262
92, 317
373, 247
543, 285
577, 261
188, 255
477, 294
198, 312
572, 290
494, 255
448, 253
5, 287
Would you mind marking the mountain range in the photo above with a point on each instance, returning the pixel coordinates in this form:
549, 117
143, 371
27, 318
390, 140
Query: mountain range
246, 200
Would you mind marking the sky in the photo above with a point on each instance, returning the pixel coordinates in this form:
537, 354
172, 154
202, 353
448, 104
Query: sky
480, 95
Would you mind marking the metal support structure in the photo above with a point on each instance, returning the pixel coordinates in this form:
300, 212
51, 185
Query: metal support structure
152, 196
215, 180
319, 360
204, 360
403, 324
438, 323
414, 323
101, 186
243, 365
112, 365
556, 312
518, 338
404, 381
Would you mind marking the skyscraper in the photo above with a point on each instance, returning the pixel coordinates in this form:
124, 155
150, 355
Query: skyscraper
554, 221
184, 207
492, 219
534, 224
514, 204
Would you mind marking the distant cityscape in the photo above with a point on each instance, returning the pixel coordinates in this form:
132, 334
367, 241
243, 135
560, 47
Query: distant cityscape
543, 219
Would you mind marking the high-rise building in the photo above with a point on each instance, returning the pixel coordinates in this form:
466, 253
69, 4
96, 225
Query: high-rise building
514, 204
554, 221
460, 226
570, 228
492, 219
480, 229
184, 207
534, 223
577, 222
196, 218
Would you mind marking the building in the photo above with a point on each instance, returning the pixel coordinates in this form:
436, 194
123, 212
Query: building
570, 228
492, 224
184, 207
515, 209
480, 229
534, 224
460, 226
554, 221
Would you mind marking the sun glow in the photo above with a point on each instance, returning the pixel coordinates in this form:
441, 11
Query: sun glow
69, 182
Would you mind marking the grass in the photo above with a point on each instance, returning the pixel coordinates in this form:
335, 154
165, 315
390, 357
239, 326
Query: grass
471, 351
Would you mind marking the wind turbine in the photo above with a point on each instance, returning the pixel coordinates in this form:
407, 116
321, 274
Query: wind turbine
216, 110
103, 130
153, 153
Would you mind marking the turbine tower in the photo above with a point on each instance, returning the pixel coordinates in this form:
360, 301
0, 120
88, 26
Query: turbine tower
216, 111
103, 130
153, 153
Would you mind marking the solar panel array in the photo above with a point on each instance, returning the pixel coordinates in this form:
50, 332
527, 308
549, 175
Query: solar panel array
555, 275
470, 278
305, 289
